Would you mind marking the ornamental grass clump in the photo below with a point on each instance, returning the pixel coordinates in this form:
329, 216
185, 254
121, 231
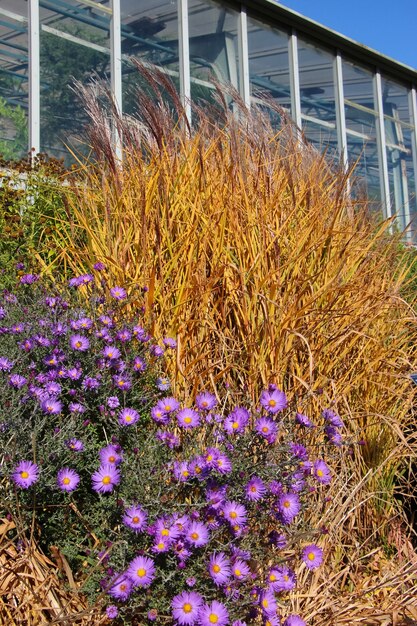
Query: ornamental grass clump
189, 513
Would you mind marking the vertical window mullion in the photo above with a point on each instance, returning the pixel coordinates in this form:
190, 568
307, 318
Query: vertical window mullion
340, 111
382, 149
244, 57
34, 76
184, 57
116, 68
413, 110
295, 79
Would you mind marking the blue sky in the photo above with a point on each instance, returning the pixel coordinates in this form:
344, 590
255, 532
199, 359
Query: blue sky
389, 26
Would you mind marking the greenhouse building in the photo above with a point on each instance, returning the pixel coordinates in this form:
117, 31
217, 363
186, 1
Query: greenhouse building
349, 100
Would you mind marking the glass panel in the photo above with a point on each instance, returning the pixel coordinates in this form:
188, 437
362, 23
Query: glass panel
74, 45
13, 79
213, 33
398, 139
269, 67
149, 34
317, 93
361, 131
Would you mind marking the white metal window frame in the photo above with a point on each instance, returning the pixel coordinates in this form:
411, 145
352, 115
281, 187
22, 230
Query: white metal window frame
114, 12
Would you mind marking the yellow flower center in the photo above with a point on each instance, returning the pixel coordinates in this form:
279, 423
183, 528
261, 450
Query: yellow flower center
187, 420
186, 473
135, 519
112, 459
24, 475
287, 504
167, 408
235, 425
311, 556
272, 402
238, 572
233, 514
165, 532
194, 536
66, 480
216, 568
319, 472
187, 608
141, 572
209, 457
106, 480
121, 383
197, 470
128, 418
204, 403
213, 618
265, 429
272, 577
161, 545
265, 603
123, 587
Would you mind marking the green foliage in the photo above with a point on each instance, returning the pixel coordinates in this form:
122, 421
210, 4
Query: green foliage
13, 120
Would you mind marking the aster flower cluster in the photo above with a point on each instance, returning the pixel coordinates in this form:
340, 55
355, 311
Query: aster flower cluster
193, 511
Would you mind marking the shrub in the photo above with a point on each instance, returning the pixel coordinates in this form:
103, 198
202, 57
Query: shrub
195, 514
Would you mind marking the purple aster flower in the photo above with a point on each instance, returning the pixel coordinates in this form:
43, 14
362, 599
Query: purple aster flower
152, 614
268, 602
181, 471
240, 569
75, 445
128, 417
205, 401
213, 613
288, 506
90, 383
223, 464
333, 435
110, 455
111, 352
312, 556
332, 418
74, 373
118, 293
303, 420
26, 345
99, 266
169, 404
234, 513
281, 578
18, 328
197, 534
169, 342
141, 571
105, 478
29, 279
25, 474
5, 364
266, 428
255, 489
236, 421
51, 405
79, 342
124, 335
298, 451
163, 384
277, 539
198, 468
113, 402
219, 568
76, 407
121, 587
187, 418
112, 611
186, 607
122, 382
84, 323
321, 472
158, 414
67, 479
294, 620
17, 381
106, 321
52, 388
135, 518
139, 364
216, 494
273, 400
